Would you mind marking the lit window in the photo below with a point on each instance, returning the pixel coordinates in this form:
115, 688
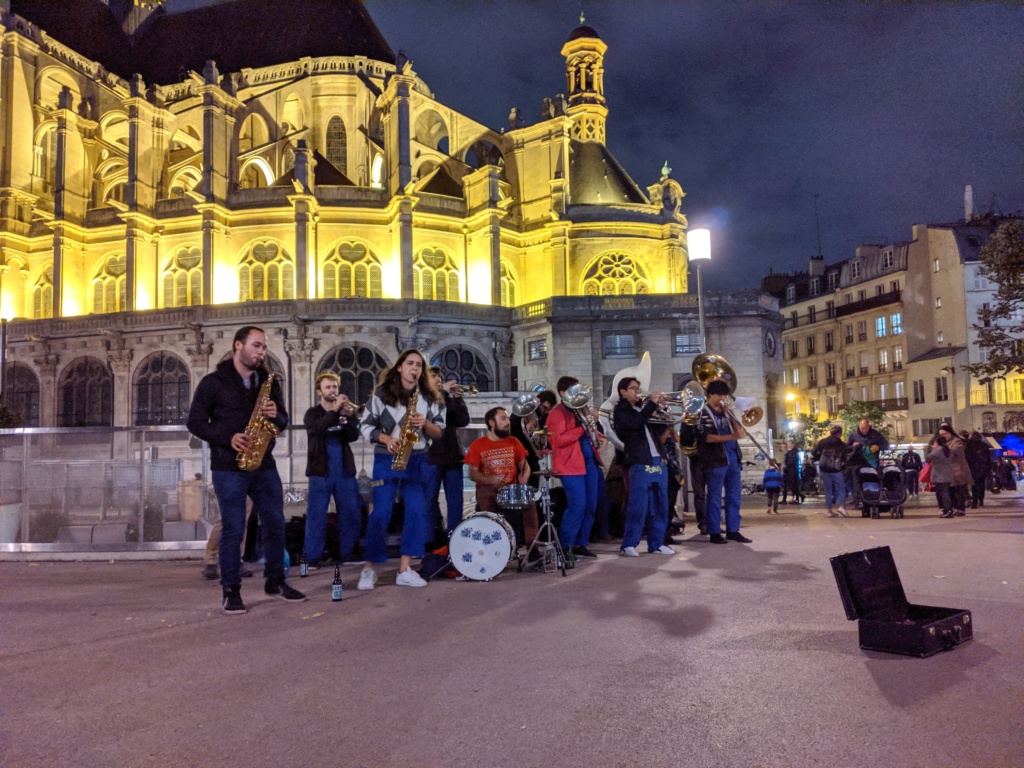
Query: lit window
880, 328
935, 265
896, 321
537, 350
435, 276
351, 269
938, 302
266, 273
615, 274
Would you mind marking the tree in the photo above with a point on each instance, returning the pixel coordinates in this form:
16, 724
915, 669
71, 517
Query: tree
1001, 331
851, 414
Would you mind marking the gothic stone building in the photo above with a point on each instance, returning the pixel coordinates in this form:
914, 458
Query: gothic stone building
167, 178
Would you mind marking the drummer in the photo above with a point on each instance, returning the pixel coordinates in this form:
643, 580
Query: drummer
497, 460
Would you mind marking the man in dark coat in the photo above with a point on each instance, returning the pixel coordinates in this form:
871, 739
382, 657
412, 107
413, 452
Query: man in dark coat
979, 459
445, 456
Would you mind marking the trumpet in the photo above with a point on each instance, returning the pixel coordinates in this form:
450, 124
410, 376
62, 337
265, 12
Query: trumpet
469, 390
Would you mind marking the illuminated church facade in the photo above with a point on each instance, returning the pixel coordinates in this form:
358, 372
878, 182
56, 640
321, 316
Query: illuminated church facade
167, 178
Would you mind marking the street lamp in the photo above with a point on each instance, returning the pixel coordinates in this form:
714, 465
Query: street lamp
699, 242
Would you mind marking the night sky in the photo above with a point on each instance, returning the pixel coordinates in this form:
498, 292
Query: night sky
885, 111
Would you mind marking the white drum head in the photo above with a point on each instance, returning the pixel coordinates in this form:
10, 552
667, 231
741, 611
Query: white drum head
481, 546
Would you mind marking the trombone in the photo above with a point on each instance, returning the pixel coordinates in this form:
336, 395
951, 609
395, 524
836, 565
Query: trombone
707, 367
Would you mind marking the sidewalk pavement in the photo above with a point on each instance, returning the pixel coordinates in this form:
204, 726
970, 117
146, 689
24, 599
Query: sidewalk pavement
736, 655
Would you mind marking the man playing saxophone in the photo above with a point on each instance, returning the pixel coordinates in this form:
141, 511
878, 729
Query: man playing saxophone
224, 404
405, 413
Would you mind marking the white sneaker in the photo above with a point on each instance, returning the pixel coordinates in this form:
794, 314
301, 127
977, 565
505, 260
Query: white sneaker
842, 510
410, 578
663, 550
630, 552
367, 579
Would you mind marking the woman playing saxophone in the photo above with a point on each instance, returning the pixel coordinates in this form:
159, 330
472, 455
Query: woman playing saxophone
405, 413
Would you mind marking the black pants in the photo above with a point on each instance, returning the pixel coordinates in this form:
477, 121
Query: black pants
978, 493
699, 484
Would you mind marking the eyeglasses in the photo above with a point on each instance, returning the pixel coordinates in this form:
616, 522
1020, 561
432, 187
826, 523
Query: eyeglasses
633, 389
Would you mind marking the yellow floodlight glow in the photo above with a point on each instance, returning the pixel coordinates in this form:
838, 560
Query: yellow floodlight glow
478, 288
225, 284
391, 277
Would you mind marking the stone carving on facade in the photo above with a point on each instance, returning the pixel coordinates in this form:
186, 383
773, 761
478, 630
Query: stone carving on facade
47, 363
118, 354
301, 350
199, 350
504, 344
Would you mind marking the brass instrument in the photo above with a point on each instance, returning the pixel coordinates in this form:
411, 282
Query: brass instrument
577, 399
681, 406
470, 390
259, 431
409, 437
706, 368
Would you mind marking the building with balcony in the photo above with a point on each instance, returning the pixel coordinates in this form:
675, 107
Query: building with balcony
169, 177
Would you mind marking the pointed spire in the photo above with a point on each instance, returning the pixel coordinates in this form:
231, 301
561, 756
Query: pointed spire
665, 170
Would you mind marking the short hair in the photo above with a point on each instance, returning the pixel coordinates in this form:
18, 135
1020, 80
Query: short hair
717, 387
836, 430
242, 334
547, 396
624, 383
326, 375
491, 415
435, 369
565, 382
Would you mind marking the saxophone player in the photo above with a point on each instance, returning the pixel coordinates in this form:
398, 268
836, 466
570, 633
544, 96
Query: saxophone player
223, 404
401, 435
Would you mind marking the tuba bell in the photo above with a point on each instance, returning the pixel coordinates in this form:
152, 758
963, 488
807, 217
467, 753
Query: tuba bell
708, 367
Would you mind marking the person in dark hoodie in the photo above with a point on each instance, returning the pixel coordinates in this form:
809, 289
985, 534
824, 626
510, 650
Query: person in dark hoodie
979, 459
832, 454
331, 425
445, 455
221, 409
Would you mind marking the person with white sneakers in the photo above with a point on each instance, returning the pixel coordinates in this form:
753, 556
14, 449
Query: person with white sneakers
407, 383
648, 476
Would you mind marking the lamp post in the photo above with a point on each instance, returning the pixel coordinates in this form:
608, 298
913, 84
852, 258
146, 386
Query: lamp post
699, 250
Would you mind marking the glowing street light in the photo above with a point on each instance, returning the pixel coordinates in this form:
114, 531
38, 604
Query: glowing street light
699, 250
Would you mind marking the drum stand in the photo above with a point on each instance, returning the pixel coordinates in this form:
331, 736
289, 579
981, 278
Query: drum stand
553, 556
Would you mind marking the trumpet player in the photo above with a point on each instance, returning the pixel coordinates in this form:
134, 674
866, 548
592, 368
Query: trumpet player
445, 455
223, 405
648, 475
575, 463
331, 427
719, 454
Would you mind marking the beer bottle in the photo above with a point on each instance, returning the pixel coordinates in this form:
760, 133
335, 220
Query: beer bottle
336, 585
303, 565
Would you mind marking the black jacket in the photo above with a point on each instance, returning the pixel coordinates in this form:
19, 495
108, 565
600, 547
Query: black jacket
912, 461
838, 451
631, 427
710, 455
791, 462
221, 407
979, 459
446, 450
323, 425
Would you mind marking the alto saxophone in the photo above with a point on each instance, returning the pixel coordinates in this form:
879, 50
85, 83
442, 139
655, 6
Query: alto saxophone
259, 431
409, 437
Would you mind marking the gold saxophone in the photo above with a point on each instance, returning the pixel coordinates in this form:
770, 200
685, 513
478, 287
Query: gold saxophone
410, 435
259, 431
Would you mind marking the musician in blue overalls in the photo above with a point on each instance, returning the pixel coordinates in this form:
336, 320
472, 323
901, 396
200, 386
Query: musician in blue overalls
648, 475
718, 452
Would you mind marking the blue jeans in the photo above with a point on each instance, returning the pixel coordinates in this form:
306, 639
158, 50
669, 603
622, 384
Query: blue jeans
345, 492
725, 478
263, 486
835, 489
581, 495
451, 479
648, 499
414, 480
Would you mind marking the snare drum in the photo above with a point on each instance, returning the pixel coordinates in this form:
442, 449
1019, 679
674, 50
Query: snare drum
481, 546
516, 496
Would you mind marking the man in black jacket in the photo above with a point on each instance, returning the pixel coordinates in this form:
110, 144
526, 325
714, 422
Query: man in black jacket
868, 442
445, 456
221, 408
330, 426
648, 476
718, 452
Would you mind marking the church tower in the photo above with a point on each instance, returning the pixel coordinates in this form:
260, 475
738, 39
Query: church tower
584, 72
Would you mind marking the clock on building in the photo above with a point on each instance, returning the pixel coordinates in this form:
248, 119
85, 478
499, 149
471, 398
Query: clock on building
769, 343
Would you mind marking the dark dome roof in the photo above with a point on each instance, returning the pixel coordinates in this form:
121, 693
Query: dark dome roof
584, 31
236, 34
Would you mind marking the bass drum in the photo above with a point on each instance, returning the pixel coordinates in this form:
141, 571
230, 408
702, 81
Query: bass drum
481, 546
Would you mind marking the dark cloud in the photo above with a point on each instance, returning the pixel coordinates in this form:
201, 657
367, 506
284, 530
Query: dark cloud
884, 110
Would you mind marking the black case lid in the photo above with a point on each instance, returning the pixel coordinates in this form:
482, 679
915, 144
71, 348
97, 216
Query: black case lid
869, 584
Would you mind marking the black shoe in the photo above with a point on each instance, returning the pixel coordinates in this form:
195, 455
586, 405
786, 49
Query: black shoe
669, 541
702, 530
233, 602
581, 551
245, 573
716, 538
737, 536
959, 513
283, 591
211, 572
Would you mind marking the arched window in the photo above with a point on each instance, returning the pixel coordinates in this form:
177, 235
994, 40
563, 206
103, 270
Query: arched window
161, 390
377, 172
45, 160
21, 394
336, 145
1013, 421
255, 174
359, 368
183, 278
266, 273
351, 269
435, 276
509, 285
109, 286
464, 365
615, 274
184, 181
86, 394
42, 296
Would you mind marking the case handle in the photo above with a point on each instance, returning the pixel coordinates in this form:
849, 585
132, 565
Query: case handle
951, 638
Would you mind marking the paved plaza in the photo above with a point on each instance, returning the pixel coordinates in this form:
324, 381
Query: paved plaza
727, 656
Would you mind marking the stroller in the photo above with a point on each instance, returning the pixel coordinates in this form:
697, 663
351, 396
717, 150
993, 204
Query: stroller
882, 490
